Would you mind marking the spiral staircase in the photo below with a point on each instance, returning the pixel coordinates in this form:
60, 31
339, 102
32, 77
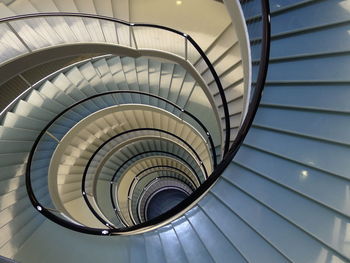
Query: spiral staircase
132, 142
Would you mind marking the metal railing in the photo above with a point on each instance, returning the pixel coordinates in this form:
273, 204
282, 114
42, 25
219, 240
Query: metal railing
229, 153
61, 28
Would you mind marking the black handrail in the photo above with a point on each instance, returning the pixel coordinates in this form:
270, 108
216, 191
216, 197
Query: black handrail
247, 122
152, 195
55, 218
115, 20
163, 168
164, 152
252, 109
83, 190
141, 129
85, 195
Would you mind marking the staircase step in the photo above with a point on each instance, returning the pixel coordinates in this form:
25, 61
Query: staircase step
213, 238
172, 248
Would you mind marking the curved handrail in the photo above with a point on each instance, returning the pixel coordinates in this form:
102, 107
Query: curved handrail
151, 184
144, 129
164, 152
50, 76
242, 133
246, 124
131, 25
31, 194
161, 168
88, 203
172, 154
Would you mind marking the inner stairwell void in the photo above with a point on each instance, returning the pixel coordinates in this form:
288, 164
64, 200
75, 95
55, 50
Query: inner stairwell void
134, 142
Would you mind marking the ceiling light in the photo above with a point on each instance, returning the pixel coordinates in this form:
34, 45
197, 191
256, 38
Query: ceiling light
304, 173
178, 2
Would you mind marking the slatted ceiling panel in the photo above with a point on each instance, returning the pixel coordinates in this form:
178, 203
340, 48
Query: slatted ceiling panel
30, 34
43, 28
8, 38
10, 46
10, 91
337, 12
